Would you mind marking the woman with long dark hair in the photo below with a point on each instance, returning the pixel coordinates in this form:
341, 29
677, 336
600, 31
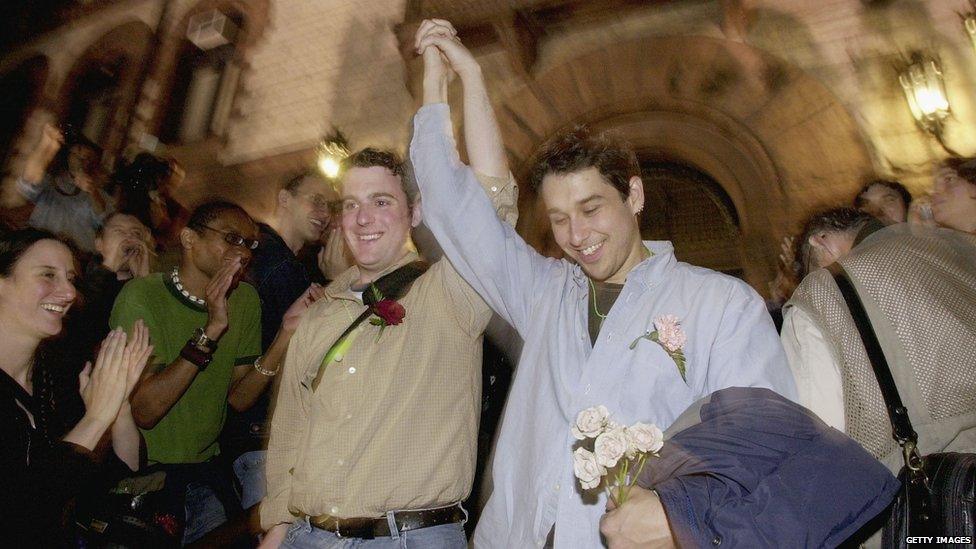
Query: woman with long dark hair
46, 457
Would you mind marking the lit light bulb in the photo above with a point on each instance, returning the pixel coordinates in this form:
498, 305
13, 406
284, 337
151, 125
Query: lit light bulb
329, 166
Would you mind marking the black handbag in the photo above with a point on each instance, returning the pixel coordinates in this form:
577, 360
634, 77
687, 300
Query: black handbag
937, 502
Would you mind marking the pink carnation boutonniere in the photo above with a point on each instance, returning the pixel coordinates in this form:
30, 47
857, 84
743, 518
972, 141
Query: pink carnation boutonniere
668, 334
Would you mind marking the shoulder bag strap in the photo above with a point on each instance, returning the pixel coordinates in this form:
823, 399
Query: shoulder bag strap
901, 424
391, 286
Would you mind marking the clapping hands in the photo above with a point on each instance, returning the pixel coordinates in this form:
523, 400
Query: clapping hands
117, 369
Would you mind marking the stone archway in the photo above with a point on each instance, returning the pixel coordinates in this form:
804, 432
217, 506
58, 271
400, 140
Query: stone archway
778, 142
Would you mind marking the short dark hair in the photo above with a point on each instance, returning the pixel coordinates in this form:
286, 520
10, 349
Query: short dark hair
964, 166
209, 211
906, 197
14, 244
293, 183
835, 220
100, 230
371, 157
580, 149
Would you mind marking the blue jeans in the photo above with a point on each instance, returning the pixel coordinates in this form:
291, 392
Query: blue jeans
204, 512
302, 535
249, 468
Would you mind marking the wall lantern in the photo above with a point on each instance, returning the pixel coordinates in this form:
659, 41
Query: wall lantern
331, 152
924, 86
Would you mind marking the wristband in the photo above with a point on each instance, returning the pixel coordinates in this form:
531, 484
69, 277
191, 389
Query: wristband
192, 354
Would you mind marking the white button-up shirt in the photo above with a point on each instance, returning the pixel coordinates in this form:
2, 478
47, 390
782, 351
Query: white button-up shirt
731, 341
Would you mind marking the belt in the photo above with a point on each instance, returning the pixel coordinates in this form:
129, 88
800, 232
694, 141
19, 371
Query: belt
369, 528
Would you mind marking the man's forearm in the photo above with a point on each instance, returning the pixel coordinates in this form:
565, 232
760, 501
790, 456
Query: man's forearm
158, 392
249, 388
482, 137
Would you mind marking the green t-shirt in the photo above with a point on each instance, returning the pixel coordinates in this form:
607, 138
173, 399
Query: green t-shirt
188, 432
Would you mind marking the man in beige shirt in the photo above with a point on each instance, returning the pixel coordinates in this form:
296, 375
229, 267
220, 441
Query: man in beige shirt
380, 440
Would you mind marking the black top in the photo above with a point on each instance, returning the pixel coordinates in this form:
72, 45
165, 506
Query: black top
39, 476
600, 304
87, 323
279, 277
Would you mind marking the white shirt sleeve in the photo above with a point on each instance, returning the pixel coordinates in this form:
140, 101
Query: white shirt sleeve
819, 384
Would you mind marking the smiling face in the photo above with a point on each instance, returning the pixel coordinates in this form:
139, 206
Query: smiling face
954, 201
306, 208
592, 223
39, 290
376, 219
885, 204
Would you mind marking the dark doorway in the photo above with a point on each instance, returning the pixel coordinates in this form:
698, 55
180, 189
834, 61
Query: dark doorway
686, 206
21, 90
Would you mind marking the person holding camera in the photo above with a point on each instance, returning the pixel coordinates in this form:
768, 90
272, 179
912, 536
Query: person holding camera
68, 200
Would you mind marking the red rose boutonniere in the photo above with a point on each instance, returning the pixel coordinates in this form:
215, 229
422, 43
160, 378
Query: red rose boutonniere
388, 312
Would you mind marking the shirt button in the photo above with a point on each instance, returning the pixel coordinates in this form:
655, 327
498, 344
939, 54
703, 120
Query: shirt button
352, 369
610, 336
334, 510
557, 486
494, 189
348, 416
340, 462
586, 391
717, 540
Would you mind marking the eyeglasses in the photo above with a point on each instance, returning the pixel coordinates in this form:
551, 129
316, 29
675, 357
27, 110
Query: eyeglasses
234, 239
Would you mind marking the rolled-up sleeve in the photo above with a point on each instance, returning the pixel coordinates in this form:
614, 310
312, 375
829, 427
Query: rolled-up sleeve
31, 191
484, 249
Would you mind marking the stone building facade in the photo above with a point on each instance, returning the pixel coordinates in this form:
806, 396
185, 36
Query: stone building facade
747, 114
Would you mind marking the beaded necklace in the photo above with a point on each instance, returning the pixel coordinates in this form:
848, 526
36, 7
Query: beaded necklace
175, 276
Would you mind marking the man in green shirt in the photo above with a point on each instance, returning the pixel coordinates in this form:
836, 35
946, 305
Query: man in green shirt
206, 329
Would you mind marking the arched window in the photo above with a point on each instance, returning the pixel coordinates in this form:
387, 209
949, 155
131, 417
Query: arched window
205, 79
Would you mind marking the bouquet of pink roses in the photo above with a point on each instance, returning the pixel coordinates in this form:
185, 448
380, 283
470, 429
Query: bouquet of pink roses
613, 451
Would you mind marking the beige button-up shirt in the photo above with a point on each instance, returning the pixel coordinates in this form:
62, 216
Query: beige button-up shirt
393, 425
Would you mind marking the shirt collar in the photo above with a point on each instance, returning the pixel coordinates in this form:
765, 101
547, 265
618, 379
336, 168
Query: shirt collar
340, 287
649, 272
270, 238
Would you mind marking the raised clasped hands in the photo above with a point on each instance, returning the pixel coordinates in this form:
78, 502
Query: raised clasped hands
444, 56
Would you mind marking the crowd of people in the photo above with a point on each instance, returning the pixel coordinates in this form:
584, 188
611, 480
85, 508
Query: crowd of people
175, 377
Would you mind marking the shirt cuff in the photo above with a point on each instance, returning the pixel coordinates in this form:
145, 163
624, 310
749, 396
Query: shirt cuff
29, 190
503, 192
431, 121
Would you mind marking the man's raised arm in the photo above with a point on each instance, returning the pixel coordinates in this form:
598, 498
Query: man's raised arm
487, 252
